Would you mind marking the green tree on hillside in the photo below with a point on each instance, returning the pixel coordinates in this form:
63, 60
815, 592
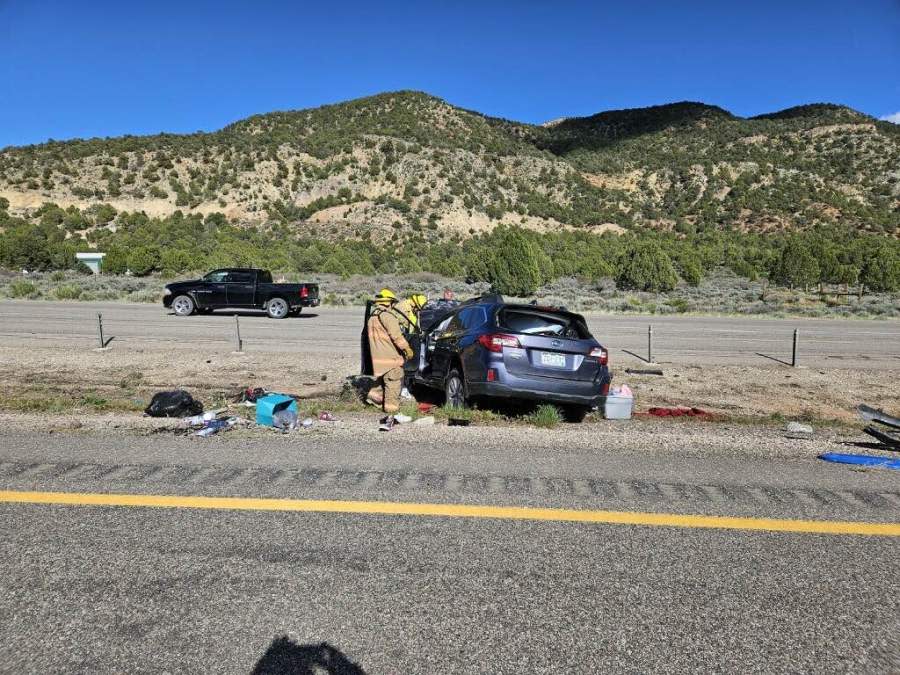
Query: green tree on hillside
646, 267
796, 265
881, 270
513, 266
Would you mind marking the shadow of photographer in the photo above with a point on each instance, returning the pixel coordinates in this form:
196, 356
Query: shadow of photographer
286, 657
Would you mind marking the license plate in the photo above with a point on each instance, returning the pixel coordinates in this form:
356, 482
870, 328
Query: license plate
551, 359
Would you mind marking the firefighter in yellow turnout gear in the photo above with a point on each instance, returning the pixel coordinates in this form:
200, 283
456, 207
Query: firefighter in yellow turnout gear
389, 350
410, 308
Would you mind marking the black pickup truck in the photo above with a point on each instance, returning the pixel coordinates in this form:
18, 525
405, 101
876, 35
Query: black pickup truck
239, 288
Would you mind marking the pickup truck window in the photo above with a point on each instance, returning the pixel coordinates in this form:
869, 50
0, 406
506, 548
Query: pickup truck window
216, 277
265, 277
240, 278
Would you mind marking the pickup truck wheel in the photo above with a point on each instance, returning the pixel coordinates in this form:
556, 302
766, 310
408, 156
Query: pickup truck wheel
455, 390
183, 305
277, 308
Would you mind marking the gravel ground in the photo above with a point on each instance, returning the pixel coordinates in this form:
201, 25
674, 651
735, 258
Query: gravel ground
643, 436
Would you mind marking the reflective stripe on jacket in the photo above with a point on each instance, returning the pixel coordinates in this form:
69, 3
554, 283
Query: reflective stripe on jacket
386, 341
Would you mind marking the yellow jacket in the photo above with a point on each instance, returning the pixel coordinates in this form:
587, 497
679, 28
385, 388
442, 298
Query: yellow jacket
386, 342
405, 307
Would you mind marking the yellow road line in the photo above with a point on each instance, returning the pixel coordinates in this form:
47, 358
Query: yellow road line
455, 511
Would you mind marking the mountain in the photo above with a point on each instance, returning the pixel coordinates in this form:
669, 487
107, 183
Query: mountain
409, 164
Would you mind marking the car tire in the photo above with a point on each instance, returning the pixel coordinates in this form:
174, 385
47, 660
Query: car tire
277, 308
455, 390
574, 414
183, 305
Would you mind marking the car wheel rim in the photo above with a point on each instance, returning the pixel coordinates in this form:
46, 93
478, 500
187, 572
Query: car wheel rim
278, 308
182, 307
454, 393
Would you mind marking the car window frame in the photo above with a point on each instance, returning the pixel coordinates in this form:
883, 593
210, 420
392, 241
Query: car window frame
221, 280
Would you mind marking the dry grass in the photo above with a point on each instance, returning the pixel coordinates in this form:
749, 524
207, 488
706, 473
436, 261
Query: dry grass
720, 293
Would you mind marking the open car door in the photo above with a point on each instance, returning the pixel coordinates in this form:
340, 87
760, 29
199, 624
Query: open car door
365, 366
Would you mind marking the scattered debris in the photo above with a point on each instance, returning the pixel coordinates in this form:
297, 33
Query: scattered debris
176, 403
638, 371
890, 439
326, 416
863, 460
678, 412
426, 407
400, 418
425, 421
285, 419
386, 424
798, 430
212, 427
619, 403
458, 422
268, 405
250, 395
870, 414
198, 420
307, 423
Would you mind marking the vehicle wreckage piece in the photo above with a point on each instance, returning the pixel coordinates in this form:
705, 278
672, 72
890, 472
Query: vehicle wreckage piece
862, 460
887, 439
870, 414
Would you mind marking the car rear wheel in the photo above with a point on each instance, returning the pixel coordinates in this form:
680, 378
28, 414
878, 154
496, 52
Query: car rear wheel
277, 308
183, 305
455, 390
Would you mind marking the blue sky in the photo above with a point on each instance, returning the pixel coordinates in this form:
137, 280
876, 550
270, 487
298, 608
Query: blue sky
96, 68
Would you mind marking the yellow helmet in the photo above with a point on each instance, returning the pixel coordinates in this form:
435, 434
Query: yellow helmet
417, 300
386, 297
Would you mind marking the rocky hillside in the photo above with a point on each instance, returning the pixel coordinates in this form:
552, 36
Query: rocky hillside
408, 164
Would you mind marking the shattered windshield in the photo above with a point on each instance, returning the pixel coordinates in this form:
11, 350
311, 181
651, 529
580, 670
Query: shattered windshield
542, 323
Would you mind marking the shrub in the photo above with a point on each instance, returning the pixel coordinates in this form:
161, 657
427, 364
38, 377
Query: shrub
545, 416
22, 289
881, 270
68, 292
143, 260
646, 267
795, 266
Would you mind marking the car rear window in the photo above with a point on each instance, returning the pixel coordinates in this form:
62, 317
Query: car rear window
543, 323
264, 277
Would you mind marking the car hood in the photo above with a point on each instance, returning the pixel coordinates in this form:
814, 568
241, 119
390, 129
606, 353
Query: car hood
183, 284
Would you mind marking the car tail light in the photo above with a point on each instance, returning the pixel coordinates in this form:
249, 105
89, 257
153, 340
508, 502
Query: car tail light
304, 292
497, 341
600, 354
491, 375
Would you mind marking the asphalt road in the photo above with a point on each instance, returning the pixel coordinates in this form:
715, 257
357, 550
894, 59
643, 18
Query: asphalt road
137, 589
704, 340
